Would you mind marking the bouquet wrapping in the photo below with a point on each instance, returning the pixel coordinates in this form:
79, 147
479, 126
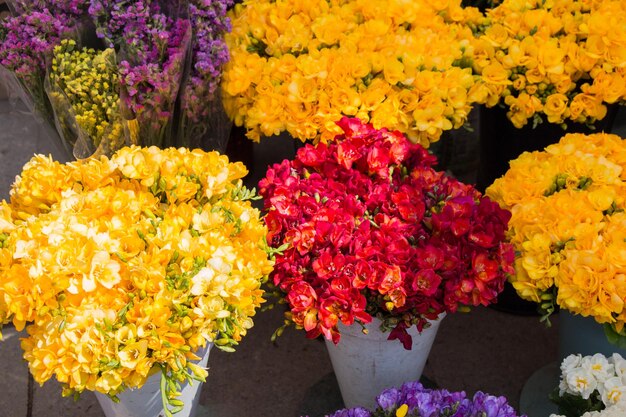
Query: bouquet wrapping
167, 65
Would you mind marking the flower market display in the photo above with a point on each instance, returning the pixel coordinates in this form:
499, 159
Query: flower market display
364, 227
413, 400
567, 225
591, 386
121, 268
559, 61
300, 66
167, 63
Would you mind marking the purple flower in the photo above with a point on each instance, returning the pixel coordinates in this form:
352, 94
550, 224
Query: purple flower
389, 399
153, 49
74, 7
489, 406
352, 412
423, 402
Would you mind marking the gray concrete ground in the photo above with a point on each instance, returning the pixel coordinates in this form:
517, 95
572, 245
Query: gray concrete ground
483, 350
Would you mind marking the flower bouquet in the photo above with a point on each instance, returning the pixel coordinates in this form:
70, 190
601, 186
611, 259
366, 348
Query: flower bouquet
413, 400
26, 43
122, 268
591, 386
300, 66
167, 66
567, 225
364, 227
558, 61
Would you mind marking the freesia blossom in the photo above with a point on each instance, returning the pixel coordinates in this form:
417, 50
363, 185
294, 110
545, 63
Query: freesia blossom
412, 399
118, 272
365, 227
557, 62
567, 225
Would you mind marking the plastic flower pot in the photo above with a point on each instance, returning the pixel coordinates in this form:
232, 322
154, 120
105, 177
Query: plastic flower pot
146, 401
366, 364
583, 335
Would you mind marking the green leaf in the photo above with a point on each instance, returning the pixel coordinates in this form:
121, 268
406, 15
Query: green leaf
614, 337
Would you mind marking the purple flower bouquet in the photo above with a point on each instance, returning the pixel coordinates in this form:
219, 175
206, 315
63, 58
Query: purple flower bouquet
413, 400
169, 59
26, 44
203, 121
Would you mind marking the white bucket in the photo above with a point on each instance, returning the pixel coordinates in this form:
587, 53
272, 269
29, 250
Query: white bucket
365, 365
146, 401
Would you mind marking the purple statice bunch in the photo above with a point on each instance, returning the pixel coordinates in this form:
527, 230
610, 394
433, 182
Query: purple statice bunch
26, 40
209, 54
26, 44
120, 20
71, 7
413, 400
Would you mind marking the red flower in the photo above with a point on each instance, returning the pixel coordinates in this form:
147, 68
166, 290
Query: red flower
372, 229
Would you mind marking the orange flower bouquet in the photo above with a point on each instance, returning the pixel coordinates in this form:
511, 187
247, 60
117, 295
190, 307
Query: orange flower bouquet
556, 61
122, 268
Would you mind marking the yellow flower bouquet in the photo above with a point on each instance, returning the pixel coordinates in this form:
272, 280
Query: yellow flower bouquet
556, 61
83, 87
568, 226
124, 267
299, 66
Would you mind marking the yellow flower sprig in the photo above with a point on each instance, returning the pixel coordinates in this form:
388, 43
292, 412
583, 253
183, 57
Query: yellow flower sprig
299, 66
556, 61
568, 225
90, 82
126, 265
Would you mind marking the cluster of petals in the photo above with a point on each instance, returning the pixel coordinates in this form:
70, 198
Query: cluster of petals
370, 228
120, 267
568, 223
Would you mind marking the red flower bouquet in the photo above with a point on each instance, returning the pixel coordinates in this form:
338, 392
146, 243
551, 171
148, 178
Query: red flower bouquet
365, 227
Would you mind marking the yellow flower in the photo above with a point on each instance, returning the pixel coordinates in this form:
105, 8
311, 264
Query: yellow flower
555, 107
402, 410
569, 233
133, 353
566, 55
301, 68
137, 261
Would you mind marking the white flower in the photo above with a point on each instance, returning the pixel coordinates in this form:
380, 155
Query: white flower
612, 391
615, 410
201, 281
619, 365
216, 183
598, 366
570, 363
581, 382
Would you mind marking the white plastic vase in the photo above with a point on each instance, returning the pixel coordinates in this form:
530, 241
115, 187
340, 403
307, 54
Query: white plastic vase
366, 364
146, 401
